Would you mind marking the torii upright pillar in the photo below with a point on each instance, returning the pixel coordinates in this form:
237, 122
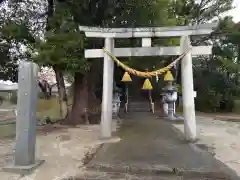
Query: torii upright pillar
187, 91
107, 95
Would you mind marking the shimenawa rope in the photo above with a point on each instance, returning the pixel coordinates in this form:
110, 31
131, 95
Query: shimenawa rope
146, 74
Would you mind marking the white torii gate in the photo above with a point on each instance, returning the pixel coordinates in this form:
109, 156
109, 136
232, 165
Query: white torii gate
109, 34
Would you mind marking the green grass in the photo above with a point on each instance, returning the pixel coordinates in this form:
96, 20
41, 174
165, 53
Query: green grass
8, 130
48, 108
45, 108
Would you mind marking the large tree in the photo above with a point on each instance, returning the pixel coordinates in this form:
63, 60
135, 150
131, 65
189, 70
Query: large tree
214, 76
220, 72
64, 44
57, 41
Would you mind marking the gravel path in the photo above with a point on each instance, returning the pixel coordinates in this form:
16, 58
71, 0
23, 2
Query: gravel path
220, 138
63, 150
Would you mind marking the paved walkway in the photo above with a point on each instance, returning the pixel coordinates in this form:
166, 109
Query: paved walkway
153, 146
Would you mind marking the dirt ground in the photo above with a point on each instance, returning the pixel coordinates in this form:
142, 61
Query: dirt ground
63, 149
220, 138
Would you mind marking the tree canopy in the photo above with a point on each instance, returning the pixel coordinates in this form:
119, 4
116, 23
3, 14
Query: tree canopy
47, 33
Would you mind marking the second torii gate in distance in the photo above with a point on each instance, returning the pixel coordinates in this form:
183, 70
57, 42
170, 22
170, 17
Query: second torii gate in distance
109, 34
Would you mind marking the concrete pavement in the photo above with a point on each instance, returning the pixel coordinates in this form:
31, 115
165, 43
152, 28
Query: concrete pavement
152, 147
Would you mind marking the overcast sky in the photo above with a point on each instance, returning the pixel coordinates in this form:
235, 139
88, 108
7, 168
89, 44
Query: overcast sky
235, 12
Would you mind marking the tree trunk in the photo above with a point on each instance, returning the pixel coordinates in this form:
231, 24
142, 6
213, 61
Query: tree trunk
92, 80
79, 114
94, 105
62, 94
43, 87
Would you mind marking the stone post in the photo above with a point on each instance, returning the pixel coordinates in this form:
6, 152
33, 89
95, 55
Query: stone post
108, 70
187, 92
24, 158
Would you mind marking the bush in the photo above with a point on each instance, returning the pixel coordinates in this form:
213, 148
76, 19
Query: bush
179, 108
236, 108
214, 102
206, 104
227, 105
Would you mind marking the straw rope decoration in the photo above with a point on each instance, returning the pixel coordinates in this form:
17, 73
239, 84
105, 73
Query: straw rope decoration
146, 74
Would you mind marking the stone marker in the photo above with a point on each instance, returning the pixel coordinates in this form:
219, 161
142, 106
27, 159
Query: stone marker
24, 157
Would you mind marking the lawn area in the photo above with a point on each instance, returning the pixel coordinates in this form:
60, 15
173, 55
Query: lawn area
48, 108
45, 108
7, 131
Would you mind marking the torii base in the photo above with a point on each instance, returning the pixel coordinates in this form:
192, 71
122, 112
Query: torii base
174, 118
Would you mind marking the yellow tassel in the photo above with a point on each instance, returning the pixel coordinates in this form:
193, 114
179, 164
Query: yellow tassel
168, 76
126, 77
147, 85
